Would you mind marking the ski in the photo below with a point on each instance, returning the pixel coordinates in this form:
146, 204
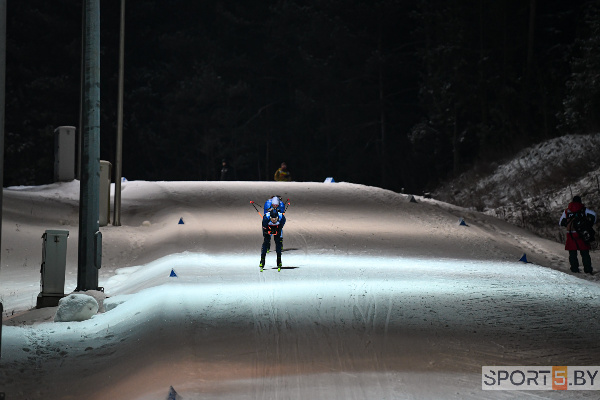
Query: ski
262, 268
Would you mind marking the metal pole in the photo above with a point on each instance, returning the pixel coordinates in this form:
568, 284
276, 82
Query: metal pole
90, 238
119, 157
81, 85
2, 111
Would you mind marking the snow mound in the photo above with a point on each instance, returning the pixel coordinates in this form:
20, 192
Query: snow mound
76, 307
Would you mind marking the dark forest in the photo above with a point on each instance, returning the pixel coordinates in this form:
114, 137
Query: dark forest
400, 94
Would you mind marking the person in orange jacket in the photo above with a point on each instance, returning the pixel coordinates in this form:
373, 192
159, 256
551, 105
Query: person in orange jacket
282, 174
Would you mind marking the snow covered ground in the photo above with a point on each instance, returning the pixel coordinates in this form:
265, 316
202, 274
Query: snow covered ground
380, 298
533, 188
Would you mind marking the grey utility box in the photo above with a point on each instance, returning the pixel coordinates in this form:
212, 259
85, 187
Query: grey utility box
54, 262
64, 154
105, 171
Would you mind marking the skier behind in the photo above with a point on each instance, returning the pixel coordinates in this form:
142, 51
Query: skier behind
272, 224
574, 216
274, 203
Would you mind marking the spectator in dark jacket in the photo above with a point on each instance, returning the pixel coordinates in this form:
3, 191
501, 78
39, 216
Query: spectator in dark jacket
225, 173
577, 239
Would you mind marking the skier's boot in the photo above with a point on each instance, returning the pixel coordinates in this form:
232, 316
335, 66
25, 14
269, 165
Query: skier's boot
279, 264
262, 264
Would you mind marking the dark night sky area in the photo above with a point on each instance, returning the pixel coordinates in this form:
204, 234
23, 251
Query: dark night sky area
397, 94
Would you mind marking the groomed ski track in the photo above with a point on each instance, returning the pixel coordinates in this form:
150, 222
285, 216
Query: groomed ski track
379, 298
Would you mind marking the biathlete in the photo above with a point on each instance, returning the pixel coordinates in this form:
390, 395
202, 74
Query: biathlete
272, 224
274, 203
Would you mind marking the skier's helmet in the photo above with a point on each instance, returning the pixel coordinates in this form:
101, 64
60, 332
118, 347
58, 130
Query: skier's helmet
274, 214
275, 201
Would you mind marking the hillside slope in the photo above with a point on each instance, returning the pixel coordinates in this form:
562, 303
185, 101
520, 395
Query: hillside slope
533, 188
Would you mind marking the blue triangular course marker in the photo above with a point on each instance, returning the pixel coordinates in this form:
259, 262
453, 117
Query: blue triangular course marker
173, 395
181, 221
412, 199
524, 258
173, 274
329, 180
462, 222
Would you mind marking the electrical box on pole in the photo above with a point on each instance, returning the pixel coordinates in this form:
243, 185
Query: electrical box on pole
105, 173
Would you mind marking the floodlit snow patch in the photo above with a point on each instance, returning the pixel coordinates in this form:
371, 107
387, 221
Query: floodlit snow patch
76, 307
115, 301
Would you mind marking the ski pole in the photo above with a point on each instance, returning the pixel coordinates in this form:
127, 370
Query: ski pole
254, 205
287, 203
